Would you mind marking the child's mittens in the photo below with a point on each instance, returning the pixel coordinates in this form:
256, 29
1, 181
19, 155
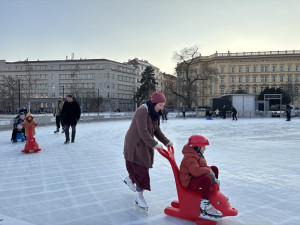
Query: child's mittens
160, 146
212, 176
217, 182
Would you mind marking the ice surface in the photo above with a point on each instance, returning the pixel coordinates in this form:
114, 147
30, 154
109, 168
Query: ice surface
80, 183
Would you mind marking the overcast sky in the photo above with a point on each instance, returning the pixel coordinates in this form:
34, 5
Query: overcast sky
148, 29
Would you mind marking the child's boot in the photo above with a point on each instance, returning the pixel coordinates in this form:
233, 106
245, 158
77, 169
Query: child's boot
209, 212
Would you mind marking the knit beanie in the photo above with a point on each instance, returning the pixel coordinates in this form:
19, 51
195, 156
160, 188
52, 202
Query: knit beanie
158, 97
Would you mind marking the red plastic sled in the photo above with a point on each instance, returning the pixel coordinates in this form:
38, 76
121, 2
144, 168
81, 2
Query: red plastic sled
31, 145
188, 204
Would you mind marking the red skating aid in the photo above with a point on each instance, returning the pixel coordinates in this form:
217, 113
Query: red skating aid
188, 204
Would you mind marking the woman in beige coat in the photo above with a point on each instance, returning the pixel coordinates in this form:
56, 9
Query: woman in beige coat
140, 144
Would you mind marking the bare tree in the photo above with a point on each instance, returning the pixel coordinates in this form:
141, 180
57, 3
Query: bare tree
290, 89
8, 93
190, 69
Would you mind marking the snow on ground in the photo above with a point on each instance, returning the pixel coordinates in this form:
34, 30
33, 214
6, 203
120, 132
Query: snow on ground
80, 183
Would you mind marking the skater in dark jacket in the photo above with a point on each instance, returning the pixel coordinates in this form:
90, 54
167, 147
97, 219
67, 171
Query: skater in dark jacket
234, 112
224, 112
288, 111
17, 121
70, 115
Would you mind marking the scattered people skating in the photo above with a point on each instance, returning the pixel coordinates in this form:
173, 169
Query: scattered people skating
288, 111
17, 121
224, 112
217, 113
195, 174
164, 113
57, 113
183, 112
234, 112
140, 144
30, 124
70, 114
29, 121
209, 115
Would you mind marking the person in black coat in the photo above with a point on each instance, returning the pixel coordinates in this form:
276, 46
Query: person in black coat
234, 112
288, 111
224, 112
70, 115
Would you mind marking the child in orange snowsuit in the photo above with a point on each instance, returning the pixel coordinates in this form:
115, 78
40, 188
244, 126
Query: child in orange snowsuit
195, 174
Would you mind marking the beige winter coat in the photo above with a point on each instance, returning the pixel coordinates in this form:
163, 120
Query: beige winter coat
57, 108
139, 139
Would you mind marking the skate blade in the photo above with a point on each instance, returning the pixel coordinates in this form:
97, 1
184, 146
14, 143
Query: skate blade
144, 208
206, 217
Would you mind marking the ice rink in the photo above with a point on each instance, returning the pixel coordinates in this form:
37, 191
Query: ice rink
81, 183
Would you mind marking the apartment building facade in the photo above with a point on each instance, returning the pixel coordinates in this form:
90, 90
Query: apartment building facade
92, 81
250, 72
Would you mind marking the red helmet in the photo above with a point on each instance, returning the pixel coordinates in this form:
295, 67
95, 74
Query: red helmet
198, 141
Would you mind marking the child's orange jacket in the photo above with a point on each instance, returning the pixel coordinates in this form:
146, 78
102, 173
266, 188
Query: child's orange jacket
192, 165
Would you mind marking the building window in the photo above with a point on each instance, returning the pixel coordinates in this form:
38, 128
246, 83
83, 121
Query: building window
281, 78
232, 80
262, 79
297, 79
262, 69
247, 70
247, 79
240, 69
254, 90
203, 101
297, 89
296, 101
247, 90
53, 95
274, 79
254, 79
210, 91
297, 68
222, 70
289, 68
232, 70
266, 79
232, 90
254, 69
222, 79
240, 79
274, 69
222, 90
266, 69
281, 68
289, 79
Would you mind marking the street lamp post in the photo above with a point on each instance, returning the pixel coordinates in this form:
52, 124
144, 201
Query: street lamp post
19, 93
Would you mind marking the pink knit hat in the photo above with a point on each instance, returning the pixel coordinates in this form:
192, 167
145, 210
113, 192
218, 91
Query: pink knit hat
158, 97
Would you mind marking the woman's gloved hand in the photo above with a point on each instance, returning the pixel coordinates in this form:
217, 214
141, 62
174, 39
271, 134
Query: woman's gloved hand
170, 144
160, 146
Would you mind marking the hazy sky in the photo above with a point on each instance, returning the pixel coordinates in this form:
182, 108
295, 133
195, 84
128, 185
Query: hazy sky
148, 29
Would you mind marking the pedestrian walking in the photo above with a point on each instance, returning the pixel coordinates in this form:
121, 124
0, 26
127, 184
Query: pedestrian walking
234, 112
288, 111
57, 113
224, 112
70, 114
